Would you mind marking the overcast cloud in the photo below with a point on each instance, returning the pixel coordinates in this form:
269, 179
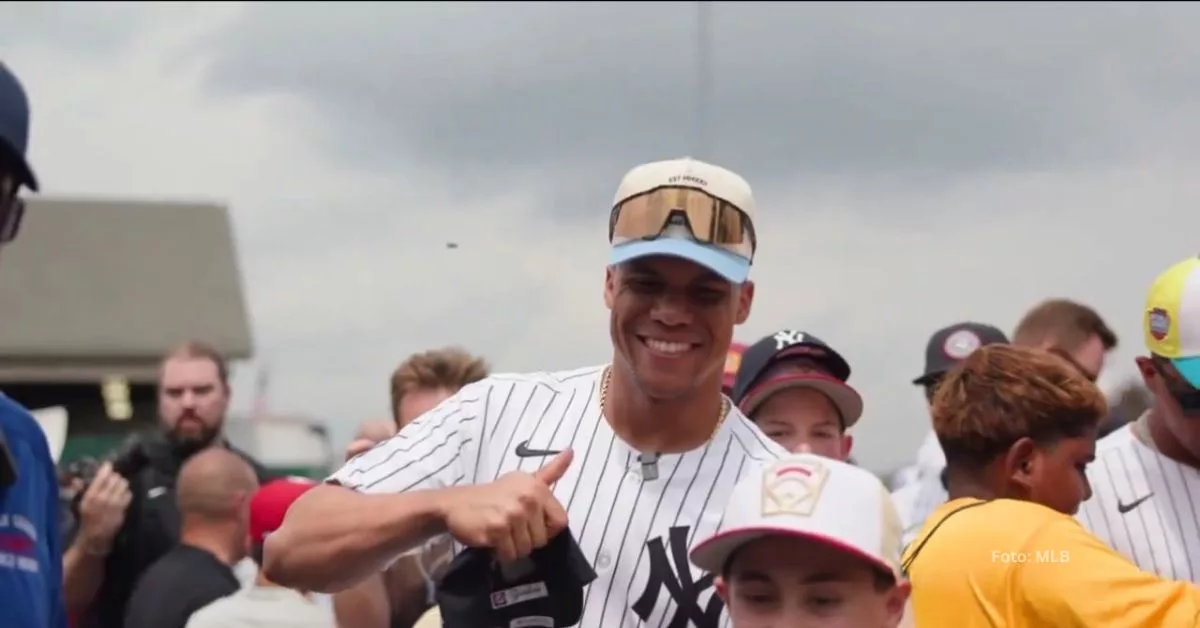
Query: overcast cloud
914, 165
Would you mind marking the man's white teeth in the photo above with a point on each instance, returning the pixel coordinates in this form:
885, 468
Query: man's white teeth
663, 346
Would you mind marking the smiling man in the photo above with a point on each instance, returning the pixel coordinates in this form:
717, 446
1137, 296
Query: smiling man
635, 458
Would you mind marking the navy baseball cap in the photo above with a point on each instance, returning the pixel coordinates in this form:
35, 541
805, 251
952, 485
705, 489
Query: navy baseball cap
14, 127
950, 345
763, 372
760, 356
544, 590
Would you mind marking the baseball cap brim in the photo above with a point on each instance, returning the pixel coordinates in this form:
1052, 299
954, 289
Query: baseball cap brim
713, 553
847, 400
732, 267
24, 172
928, 378
1189, 369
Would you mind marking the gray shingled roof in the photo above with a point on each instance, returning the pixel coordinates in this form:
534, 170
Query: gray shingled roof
109, 282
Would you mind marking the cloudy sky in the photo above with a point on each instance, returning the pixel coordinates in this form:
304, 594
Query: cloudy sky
914, 165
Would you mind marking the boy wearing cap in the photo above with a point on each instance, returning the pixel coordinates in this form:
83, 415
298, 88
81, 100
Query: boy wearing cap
793, 386
926, 490
808, 541
1145, 480
265, 603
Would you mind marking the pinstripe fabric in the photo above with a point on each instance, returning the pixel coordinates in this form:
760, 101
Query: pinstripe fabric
917, 500
1160, 533
633, 531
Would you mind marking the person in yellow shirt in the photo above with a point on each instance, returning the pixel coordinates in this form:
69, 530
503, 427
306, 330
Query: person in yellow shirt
1018, 426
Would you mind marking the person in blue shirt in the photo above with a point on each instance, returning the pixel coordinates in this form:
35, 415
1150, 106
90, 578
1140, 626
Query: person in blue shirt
30, 556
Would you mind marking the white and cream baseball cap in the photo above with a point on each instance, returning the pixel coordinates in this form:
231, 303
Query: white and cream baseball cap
811, 497
731, 260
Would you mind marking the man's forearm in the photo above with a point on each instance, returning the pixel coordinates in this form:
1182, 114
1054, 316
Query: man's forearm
334, 537
83, 573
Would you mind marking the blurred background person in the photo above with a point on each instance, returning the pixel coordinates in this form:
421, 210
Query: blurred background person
1125, 404
399, 596
1018, 426
375, 431
265, 604
793, 386
30, 567
426, 379
1070, 329
925, 489
1145, 480
105, 561
213, 494
1078, 334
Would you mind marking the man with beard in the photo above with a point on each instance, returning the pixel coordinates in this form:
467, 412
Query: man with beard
193, 396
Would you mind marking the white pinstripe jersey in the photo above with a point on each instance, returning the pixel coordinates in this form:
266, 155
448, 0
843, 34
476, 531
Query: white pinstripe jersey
917, 500
1145, 506
636, 533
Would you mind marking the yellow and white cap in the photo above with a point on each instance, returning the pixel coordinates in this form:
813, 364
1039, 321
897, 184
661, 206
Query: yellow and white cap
1171, 322
811, 497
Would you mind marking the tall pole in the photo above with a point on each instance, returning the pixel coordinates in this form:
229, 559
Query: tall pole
704, 79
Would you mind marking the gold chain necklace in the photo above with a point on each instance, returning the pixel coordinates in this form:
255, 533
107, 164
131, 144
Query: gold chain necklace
650, 461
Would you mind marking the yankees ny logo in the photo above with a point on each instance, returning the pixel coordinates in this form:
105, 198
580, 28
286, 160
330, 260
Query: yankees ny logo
674, 573
787, 338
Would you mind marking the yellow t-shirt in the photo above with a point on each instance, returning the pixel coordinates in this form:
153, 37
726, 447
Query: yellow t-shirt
1017, 564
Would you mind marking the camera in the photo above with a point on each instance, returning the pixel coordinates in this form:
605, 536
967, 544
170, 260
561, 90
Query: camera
128, 461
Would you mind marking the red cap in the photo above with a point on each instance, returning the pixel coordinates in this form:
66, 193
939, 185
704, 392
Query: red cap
271, 502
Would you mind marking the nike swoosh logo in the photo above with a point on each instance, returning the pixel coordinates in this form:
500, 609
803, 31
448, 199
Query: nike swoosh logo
1124, 508
156, 491
523, 451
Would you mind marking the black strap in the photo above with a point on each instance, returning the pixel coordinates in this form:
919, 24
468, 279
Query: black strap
8, 464
913, 556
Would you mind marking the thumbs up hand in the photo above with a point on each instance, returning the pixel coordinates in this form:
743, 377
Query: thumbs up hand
553, 471
514, 515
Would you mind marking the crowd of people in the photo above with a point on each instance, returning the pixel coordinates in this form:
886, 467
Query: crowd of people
645, 491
